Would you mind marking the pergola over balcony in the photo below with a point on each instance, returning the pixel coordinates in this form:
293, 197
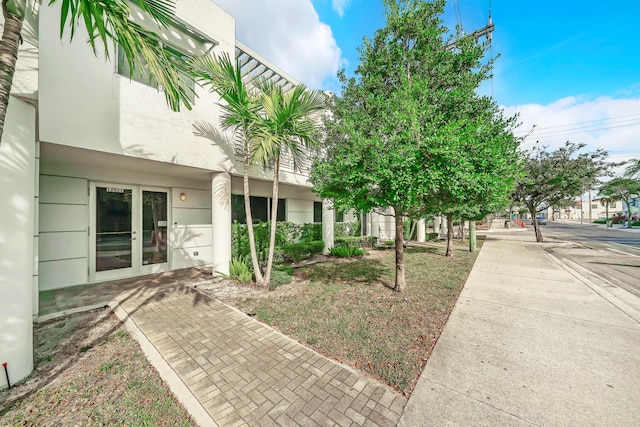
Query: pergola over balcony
254, 66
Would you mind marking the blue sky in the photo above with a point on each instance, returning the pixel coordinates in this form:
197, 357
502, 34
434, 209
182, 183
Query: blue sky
569, 69
548, 49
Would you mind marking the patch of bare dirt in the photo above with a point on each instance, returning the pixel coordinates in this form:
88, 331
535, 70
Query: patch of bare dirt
89, 371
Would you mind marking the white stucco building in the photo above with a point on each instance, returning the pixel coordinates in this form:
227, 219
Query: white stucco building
101, 180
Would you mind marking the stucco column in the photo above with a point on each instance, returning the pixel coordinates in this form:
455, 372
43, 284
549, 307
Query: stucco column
375, 224
443, 225
422, 231
17, 192
436, 224
221, 221
327, 225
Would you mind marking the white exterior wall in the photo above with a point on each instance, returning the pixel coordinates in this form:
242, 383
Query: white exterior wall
65, 212
63, 249
18, 191
190, 238
84, 103
300, 211
387, 225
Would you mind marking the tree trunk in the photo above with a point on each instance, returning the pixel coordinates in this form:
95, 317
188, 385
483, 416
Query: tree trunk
626, 202
8, 56
536, 226
449, 236
400, 283
247, 211
274, 220
472, 236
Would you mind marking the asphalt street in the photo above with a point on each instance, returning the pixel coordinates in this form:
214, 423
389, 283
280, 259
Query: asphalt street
606, 254
596, 237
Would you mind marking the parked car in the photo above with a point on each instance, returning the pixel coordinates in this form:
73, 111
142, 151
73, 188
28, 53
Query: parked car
541, 220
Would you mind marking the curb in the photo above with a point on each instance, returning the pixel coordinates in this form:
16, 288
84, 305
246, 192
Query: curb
610, 297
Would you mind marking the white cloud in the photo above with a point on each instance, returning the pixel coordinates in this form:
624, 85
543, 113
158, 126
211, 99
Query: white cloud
290, 35
340, 5
608, 123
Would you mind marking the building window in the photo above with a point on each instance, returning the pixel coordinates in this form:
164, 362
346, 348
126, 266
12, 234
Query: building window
594, 206
281, 213
259, 209
140, 74
317, 212
339, 216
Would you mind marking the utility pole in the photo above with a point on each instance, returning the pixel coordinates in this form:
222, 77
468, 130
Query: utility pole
590, 206
485, 31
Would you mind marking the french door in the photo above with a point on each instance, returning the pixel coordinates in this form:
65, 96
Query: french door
128, 231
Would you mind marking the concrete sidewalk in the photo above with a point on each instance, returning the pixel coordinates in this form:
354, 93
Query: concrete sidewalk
531, 342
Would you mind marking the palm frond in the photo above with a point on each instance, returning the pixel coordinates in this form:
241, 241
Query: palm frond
633, 168
107, 20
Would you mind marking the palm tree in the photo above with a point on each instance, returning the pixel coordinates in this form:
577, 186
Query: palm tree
287, 125
104, 20
624, 189
241, 109
633, 169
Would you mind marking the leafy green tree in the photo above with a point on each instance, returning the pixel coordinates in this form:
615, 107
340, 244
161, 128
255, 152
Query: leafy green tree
552, 177
625, 189
241, 109
286, 125
104, 21
390, 131
476, 170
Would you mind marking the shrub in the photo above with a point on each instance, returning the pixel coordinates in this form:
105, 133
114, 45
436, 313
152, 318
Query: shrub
279, 278
346, 252
297, 252
310, 232
239, 270
432, 236
346, 229
286, 233
356, 241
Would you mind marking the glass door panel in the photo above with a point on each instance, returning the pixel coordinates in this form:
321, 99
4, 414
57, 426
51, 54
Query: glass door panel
114, 231
154, 227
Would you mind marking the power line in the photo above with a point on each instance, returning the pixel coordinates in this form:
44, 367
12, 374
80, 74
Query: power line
576, 125
611, 119
586, 130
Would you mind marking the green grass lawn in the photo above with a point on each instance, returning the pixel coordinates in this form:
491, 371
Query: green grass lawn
346, 312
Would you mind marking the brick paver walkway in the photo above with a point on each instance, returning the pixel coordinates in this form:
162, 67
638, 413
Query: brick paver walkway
244, 373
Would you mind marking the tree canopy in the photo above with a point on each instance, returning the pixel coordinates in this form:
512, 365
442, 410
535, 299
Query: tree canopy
409, 121
552, 177
620, 188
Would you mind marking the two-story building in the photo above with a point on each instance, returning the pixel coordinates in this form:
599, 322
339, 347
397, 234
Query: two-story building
101, 180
